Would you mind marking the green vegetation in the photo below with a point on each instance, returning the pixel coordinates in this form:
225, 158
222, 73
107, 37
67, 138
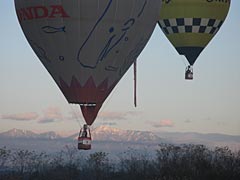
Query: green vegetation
170, 162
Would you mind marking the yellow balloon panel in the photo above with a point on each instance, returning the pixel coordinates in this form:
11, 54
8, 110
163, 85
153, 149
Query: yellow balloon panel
190, 39
195, 8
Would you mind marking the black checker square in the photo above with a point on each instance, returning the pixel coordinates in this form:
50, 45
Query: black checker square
188, 29
196, 21
166, 22
202, 29
213, 30
165, 31
175, 29
180, 21
211, 22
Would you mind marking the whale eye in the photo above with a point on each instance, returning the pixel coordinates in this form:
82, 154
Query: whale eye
61, 58
111, 29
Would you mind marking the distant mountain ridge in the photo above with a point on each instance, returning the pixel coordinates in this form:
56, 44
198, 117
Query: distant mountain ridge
108, 135
105, 133
106, 139
102, 133
18, 133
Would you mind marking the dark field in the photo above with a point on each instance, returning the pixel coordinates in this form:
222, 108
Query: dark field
171, 162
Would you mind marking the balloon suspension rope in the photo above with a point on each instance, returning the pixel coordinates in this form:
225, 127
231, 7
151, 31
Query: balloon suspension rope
76, 116
184, 60
135, 82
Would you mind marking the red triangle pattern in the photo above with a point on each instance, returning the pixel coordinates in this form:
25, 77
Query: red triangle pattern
88, 93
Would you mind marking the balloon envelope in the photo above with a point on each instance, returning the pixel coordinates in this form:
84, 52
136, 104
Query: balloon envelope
191, 24
87, 45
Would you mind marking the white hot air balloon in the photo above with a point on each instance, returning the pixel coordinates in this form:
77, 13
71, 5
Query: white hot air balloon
87, 45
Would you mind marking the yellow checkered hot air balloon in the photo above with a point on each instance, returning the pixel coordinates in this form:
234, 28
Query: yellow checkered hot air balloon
191, 24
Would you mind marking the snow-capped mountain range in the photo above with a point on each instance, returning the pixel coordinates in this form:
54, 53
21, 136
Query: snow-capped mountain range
105, 137
18, 133
105, 133
102, 133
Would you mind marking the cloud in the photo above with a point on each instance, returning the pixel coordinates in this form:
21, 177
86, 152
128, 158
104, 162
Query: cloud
108, 123
117, 115
21, 116
51, 114
45, 121
187, 121
74, 115
163, 123
105, 115
54, 114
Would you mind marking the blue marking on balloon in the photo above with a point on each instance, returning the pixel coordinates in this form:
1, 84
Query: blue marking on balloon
111, 68
51, 30
111, 29
109, 46
113, 40
40, 52
140, 13
91, 32
132, 56
129, 22
61, 58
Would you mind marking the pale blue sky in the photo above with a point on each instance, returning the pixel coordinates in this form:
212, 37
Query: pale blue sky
29, 98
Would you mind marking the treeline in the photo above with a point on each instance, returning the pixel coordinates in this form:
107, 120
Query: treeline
170, 162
